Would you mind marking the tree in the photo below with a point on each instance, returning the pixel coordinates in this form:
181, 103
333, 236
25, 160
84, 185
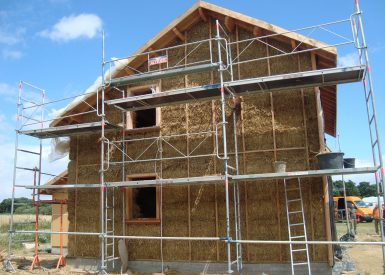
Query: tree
351, 188
367, 190
24, 206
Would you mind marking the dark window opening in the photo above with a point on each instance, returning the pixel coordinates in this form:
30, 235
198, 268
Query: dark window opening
142, 118
144, 203
145, 118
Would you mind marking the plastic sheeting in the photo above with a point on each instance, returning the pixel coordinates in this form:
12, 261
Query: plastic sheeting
60, 148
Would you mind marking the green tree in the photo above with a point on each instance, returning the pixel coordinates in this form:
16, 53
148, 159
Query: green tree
367, 190
24, 206
350, 186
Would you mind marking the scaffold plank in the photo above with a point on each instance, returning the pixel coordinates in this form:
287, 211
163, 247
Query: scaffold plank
162, 74
314, 78
69, 130
213, 179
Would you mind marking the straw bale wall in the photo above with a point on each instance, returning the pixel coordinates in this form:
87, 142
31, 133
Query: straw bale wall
270, 126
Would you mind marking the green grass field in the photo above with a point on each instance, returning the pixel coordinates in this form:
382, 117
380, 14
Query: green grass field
23, 222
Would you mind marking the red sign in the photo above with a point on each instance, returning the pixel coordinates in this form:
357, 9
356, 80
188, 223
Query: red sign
158, 60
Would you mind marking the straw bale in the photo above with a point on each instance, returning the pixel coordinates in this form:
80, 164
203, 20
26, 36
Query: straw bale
305, 61
316, 206
89, 148
175, 58
200, 117
283, 64
72, 150
198, 32
201, 166
259, 162
257, 121
175, 168
143, 249
113, 115
175, 221
203, 251
88, 174
147, 167
289, 119
174, 147
173, 120
295, 159
261, 199
175, 250
251, 51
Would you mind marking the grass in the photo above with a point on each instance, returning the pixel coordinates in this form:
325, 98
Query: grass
23, 222
365, 231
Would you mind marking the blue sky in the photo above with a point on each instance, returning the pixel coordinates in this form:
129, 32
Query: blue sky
56, 45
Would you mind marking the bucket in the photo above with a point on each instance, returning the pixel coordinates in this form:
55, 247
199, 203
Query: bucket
279, 166
349, 163
330, 160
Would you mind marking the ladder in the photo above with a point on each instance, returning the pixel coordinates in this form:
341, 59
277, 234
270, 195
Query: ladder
109, 224
362, 48
299, 253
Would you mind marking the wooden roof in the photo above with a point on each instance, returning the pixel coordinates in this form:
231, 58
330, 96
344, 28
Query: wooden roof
60, 179
200, 11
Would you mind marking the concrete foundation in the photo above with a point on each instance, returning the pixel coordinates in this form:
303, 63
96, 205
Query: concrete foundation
91, 266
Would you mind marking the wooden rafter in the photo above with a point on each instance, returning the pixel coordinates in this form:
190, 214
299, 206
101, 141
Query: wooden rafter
257, 31
179, 34
229, 24
202, 15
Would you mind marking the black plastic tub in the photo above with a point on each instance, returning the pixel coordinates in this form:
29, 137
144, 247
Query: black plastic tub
331, 160
349, 162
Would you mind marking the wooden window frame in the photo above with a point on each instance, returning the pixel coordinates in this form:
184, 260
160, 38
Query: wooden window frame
132, 91
128, 193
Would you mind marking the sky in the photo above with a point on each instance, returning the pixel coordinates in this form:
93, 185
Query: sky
56, 46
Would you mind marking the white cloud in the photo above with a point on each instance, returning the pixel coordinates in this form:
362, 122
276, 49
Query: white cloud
74, 27
348, 60
8, 92
11, 37
12, 54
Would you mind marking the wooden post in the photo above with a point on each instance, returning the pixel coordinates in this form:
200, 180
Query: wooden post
76, 192
325, 184
188, 159
278, 213
309, 189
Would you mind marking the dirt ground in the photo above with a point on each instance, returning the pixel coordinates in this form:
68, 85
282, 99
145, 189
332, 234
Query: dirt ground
367, 258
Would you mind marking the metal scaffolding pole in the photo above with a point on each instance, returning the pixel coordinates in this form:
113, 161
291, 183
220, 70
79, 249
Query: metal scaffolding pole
372, 115
225, 160
237, 211
8, 265
102, 269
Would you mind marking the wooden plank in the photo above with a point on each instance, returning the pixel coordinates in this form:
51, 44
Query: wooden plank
179, 35
257, 31
277, 185
76, 193
229, 24
265, 25
202, 15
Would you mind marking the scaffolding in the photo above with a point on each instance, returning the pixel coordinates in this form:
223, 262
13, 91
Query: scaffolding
219, 59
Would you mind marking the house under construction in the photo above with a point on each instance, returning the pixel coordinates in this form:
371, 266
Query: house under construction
174, 151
